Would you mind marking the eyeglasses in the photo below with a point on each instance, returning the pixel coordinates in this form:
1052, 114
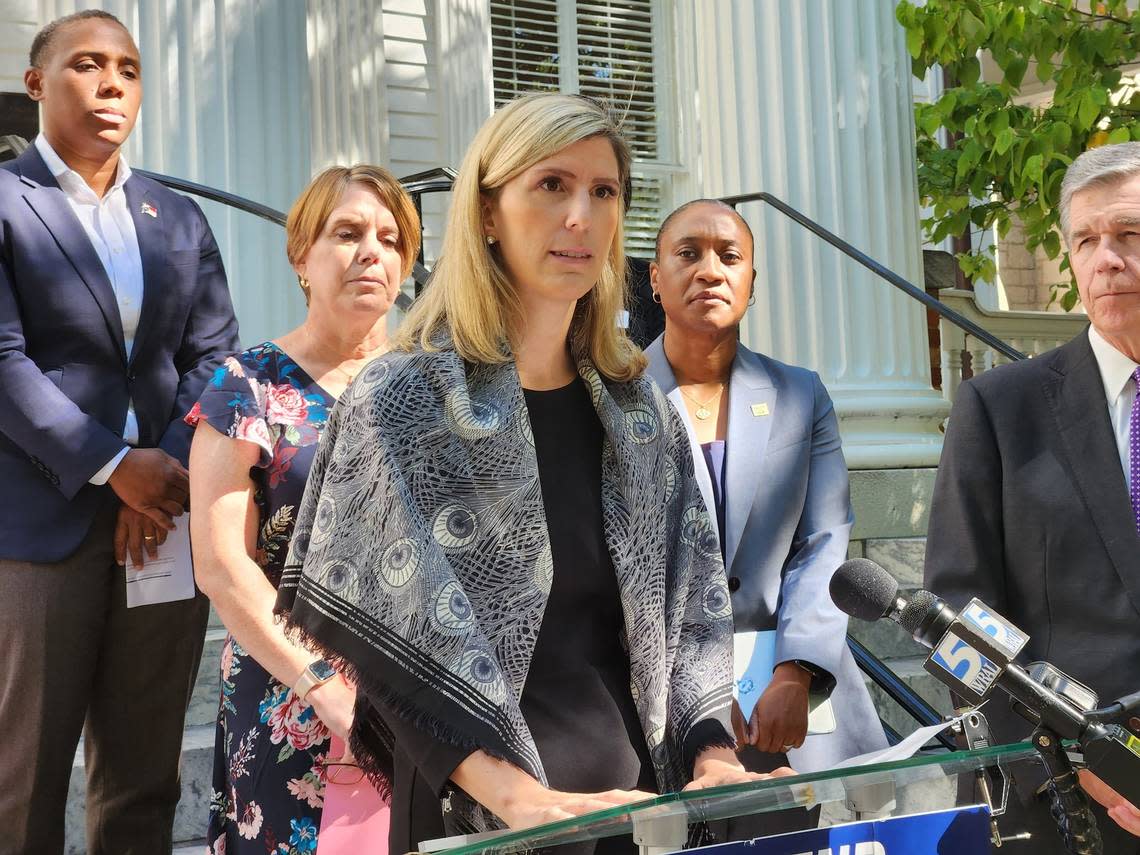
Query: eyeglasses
343, 773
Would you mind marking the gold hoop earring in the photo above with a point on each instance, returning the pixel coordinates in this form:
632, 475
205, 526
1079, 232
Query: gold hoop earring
657, 298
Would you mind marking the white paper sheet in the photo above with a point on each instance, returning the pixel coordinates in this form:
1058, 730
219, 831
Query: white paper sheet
753, 660
905, 749
168, 577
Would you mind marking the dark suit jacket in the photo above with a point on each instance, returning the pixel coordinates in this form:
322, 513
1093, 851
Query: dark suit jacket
65, 379
1031, 515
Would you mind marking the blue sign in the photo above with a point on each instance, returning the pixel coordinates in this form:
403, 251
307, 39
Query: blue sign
960, 830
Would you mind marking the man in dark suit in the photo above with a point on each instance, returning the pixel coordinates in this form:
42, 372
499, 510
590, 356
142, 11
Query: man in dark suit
114, 311
1036, 508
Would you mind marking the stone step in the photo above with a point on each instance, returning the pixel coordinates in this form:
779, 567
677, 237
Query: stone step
930, 689
203, 708
902, 557
190, 817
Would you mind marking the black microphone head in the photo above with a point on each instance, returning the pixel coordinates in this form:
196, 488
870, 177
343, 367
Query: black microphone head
917, 608
863, 589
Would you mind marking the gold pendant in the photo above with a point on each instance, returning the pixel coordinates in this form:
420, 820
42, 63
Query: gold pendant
703, 413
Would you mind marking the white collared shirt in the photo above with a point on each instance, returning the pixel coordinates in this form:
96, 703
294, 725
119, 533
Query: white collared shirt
1116, 372
108, 225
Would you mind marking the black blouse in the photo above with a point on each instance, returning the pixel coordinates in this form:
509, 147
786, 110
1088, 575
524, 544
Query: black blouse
577, 699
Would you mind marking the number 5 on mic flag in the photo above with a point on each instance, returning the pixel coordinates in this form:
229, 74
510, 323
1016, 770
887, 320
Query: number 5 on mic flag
975, 649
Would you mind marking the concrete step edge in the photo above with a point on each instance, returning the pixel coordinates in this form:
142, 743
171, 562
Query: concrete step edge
194, 738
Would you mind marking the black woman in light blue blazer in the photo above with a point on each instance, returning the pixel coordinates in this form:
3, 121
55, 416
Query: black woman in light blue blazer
765, 441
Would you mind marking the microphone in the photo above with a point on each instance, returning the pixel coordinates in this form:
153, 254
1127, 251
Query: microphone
972, 653
972, 648
864, 590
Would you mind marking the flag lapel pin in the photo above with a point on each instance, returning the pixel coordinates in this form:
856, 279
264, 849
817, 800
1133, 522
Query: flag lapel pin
148, 209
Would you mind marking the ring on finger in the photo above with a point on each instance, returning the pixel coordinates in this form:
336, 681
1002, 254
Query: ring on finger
148, 537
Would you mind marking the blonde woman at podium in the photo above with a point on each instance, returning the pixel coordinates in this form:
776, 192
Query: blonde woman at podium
771, 470
502, 540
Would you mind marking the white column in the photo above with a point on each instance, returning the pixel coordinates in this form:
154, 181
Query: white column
226, 104
466, 88
811, 101
346, 72
18, 25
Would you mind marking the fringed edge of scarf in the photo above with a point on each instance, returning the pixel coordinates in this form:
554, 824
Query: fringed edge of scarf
371, 739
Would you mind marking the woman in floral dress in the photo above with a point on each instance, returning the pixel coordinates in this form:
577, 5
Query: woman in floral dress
352, 237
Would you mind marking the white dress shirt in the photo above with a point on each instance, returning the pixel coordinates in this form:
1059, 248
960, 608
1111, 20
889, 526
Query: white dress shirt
111, 230
1116, 372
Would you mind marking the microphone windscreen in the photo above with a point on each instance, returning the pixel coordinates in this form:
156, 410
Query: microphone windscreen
863, 589
918, 606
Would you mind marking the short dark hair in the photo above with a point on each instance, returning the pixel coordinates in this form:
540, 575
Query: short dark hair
717, 203
41, 44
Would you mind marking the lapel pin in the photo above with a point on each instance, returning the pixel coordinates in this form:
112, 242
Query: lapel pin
149, 209
759, 410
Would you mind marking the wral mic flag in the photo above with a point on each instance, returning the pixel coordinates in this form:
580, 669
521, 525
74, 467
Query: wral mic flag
960, 830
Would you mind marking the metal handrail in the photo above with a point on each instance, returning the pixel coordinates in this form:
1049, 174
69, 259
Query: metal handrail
913, 291
215, 195
432, 181
13, 143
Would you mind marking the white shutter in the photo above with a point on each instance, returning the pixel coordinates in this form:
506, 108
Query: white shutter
645, 214
524, 47
613, 44
615, 63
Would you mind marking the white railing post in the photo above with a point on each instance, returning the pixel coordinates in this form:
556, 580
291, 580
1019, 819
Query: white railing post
1033, 333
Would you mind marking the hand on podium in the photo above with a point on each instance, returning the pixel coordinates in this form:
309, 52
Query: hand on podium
522, 802
716, 767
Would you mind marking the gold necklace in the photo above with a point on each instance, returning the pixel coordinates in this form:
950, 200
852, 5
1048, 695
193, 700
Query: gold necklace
703, 412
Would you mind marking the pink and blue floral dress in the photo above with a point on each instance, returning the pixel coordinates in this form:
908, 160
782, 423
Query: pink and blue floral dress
268, 783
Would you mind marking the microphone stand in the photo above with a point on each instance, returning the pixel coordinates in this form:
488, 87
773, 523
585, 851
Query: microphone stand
1067, 801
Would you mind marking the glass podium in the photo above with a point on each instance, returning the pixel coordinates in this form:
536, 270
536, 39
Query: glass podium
921, 784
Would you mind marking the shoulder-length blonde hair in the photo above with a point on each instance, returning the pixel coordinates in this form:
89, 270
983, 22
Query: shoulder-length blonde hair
310, 213
470, 295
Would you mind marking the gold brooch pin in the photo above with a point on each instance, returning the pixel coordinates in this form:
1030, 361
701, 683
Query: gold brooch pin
759, 410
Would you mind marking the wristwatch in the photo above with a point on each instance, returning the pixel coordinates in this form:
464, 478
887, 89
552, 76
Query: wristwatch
804, 665
821, 680
317, 674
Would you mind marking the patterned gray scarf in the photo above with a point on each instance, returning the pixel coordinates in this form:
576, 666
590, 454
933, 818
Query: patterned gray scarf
421, 566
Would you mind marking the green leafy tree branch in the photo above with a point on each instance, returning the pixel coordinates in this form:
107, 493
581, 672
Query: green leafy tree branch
1007, 159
